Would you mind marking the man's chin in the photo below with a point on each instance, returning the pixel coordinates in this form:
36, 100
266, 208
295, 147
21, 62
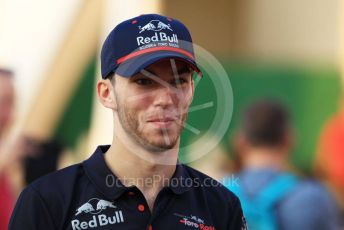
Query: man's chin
161, 145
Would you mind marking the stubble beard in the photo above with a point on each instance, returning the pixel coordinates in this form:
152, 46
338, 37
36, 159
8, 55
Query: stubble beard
130, 123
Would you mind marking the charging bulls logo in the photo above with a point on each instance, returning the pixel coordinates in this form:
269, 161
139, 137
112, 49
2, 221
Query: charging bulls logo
94, 206
155, 25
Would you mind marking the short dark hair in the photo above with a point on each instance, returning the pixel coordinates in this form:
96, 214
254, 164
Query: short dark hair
266, 123
111, 77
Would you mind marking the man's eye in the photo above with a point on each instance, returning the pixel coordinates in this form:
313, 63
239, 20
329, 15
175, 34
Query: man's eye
179, 81
144, 81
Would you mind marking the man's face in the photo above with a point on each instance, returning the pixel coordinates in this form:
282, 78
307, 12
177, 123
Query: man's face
152, 105
6, 102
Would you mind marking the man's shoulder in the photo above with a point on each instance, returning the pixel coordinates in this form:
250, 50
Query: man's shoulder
47, 199
312, 196
310, 190
220, 200
58, 181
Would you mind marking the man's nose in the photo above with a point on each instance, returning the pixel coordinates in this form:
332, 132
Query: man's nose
165, 96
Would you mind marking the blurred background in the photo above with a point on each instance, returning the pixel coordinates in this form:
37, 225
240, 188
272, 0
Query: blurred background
289, 51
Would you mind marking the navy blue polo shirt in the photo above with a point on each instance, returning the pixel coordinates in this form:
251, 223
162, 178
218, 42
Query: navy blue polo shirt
89, 196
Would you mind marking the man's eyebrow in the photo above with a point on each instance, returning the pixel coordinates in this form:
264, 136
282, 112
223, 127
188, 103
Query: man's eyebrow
184, 69
149, 72
143, 73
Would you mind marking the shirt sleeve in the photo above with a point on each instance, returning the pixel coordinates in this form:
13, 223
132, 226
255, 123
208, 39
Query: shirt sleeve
237, 219
30, 212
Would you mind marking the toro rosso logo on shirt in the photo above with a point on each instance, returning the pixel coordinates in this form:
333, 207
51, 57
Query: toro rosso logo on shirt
95, 207
193, 221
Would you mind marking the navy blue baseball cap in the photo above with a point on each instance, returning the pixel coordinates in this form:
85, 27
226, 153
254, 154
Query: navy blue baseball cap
139, 42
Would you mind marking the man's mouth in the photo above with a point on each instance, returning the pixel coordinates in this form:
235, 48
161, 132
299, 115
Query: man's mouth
162, 122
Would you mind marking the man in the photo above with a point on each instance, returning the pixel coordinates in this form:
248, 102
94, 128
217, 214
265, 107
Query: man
6, 116
137, 182
273, 198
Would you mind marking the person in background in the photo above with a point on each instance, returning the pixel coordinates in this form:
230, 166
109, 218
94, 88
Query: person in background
272, 197
7, 98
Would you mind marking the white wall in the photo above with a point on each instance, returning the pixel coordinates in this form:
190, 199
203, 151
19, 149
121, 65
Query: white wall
31, 33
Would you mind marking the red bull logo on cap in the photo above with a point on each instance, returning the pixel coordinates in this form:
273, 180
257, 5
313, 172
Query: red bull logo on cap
155, 25
159, 38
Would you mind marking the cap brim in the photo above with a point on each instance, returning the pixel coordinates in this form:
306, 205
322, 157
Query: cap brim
135, 65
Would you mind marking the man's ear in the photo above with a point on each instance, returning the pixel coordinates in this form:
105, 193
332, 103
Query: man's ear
106, 94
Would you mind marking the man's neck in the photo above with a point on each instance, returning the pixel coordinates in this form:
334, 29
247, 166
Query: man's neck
148, 171
265, 158
142, 169
140, 165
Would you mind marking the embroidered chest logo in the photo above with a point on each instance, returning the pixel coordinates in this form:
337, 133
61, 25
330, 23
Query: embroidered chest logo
155, 25
94, 208
163, 35
194, 221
